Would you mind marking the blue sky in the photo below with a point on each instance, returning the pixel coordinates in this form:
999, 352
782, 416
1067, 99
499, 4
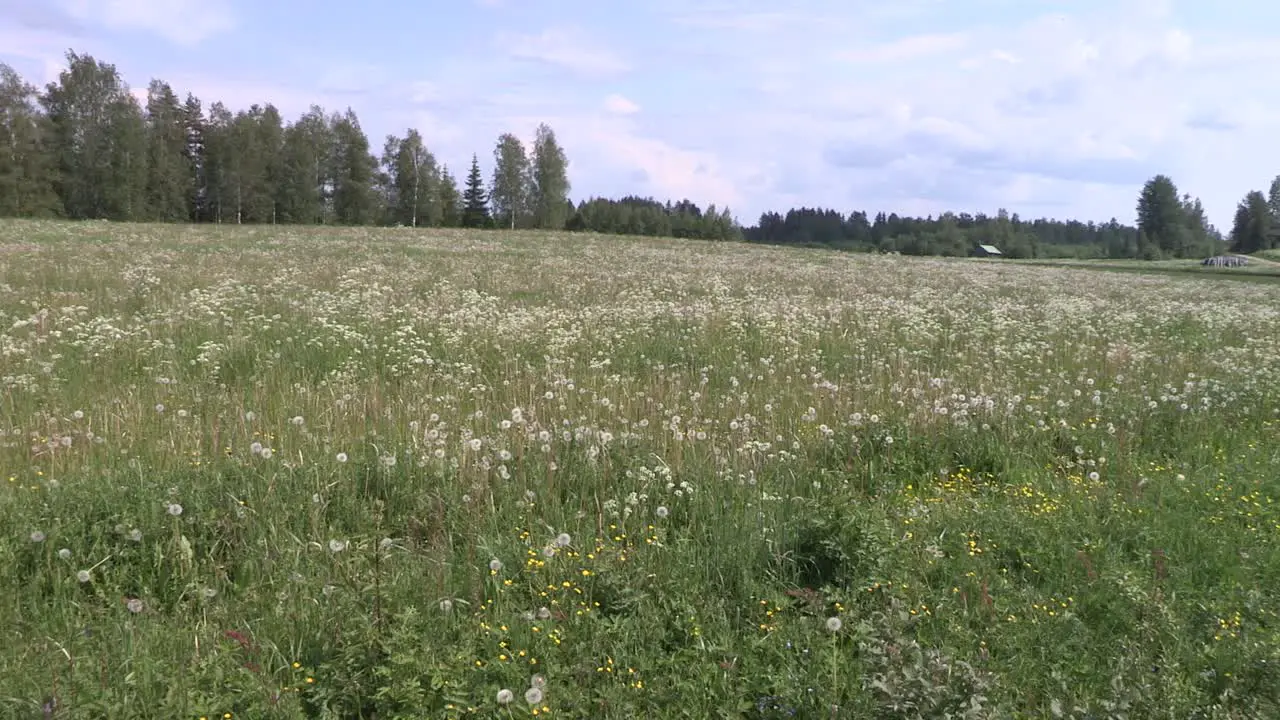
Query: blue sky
1046, 108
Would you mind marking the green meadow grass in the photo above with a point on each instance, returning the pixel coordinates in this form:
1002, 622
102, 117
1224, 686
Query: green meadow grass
356, 473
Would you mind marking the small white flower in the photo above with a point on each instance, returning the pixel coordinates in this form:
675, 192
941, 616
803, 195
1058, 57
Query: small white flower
64, 553
662, 511
538, 681
1093, 476
159, 407
37, 536
78, 415
135, 535
256, 448
834, 624
342, 457
563, 540
337, 545
505, 696
297, 420
175, 509
495, 565
446, 605
544, 613
266, 453
474, 444
83, 576
135, 605
533, 695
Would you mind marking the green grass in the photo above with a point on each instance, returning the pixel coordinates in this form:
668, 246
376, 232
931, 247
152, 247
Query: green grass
668, 479
1258, 271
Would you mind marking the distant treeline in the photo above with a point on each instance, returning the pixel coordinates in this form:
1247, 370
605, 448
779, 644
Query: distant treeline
948, 234
84, 147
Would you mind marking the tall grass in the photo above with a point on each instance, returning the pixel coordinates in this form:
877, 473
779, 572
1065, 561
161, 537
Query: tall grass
300, 473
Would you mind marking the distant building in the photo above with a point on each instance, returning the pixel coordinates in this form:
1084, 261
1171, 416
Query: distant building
1226, 261
988, 251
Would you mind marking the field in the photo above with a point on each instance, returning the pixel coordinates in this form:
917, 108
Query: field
356, 473
1262, 267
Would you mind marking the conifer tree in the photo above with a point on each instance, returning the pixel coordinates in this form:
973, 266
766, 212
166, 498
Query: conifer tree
475, 202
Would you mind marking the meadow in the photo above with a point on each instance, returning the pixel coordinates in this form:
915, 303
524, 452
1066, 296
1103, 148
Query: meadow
356, 473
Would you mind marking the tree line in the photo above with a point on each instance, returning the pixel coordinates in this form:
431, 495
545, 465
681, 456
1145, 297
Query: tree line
1169, 225
84, 147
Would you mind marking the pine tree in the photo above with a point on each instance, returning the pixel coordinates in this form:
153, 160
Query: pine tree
194, 155
475, 203
1253, 227
512, 188
1162, 217
550, 180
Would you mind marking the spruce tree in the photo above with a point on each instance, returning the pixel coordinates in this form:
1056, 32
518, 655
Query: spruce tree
475, 202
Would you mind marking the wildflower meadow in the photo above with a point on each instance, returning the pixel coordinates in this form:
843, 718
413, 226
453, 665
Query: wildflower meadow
260, 472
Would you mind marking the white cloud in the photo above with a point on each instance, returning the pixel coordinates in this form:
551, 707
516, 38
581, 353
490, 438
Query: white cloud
570, 48
619, 105
612, 154
182, 22
1064, 114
